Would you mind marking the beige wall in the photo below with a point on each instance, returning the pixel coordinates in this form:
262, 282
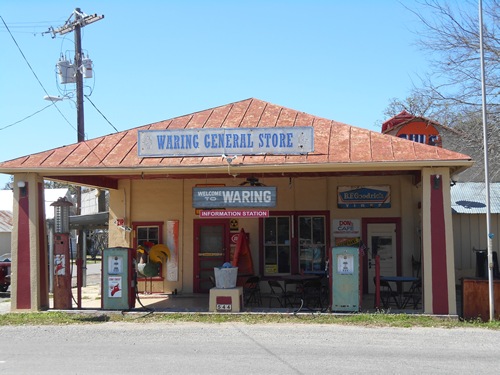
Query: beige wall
163, 200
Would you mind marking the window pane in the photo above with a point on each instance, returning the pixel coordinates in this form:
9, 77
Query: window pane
277, 245
271, 256
212, 239
284, 259
312, 243
147, 234
144, 266
318, 230
305, 229
270, 230
153, 235
284, 230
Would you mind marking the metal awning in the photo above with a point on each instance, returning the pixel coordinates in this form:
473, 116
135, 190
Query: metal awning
94, 221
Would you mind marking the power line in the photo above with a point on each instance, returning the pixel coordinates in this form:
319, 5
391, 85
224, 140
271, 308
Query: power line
24, 57
32, 71
97, 109
23, 27
27, 117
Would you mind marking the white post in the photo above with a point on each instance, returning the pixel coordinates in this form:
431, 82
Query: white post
486, 172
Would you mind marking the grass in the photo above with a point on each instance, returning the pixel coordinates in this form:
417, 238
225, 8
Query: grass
366, 320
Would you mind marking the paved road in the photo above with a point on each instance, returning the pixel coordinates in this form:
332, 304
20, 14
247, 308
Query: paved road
235, 348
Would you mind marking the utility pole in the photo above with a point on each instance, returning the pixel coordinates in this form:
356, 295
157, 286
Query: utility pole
80, 20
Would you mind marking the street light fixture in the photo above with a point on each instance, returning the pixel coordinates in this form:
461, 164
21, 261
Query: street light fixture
54, 99
51, 98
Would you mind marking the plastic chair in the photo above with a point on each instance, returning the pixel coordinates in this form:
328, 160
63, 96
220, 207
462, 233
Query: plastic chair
251, 291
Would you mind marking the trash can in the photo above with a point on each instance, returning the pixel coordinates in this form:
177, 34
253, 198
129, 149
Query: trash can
225, 278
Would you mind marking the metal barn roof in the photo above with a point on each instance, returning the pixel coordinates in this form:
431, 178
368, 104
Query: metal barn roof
470, 198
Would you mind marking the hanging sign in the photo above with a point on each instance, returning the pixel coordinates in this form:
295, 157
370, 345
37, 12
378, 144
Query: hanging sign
364, 197
346, 227
224, 197
296, 140
217, 214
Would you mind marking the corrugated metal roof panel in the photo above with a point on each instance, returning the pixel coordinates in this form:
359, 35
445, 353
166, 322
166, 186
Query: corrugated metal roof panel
470, 198
5, 221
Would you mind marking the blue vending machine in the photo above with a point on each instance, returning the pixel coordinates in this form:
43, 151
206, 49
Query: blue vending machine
345, 278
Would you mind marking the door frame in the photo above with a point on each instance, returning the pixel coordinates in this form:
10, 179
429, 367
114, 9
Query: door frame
197, 224
380, 220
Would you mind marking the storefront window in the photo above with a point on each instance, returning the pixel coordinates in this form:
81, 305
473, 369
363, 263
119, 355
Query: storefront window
146, 236
277, 249
295, 242
312, 244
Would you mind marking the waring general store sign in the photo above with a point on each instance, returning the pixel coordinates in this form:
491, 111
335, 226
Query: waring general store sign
224, 197
226, 141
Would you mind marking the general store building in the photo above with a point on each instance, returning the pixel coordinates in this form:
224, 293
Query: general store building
295, 180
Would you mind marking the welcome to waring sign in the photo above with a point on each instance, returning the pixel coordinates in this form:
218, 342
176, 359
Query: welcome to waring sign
225, 197
294, 140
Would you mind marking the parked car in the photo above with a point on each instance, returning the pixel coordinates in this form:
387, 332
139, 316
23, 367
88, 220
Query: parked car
5, 270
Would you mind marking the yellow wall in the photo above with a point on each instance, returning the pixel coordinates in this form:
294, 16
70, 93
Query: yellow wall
171, 199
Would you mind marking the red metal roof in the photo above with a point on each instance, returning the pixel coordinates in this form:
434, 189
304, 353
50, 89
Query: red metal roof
396, 120
334, 143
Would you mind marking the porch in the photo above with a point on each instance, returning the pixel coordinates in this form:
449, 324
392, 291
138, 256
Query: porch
199, 303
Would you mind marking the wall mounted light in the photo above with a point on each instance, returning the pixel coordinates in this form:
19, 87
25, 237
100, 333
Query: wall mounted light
23, 188
437, 181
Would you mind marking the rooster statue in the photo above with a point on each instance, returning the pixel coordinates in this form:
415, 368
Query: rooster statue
151, 257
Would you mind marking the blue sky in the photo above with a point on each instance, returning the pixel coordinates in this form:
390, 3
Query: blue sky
154, 60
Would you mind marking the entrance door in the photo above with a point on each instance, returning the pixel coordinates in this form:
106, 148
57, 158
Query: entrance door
211, 249
381, 240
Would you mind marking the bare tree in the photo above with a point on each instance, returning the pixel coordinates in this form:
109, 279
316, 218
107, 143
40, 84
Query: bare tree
450, 37
450, 93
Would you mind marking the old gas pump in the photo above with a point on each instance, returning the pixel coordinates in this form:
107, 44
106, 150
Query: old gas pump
62, 274
119, 278
345, 276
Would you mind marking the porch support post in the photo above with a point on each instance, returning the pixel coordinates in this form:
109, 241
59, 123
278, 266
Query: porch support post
29, 289
437, 233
